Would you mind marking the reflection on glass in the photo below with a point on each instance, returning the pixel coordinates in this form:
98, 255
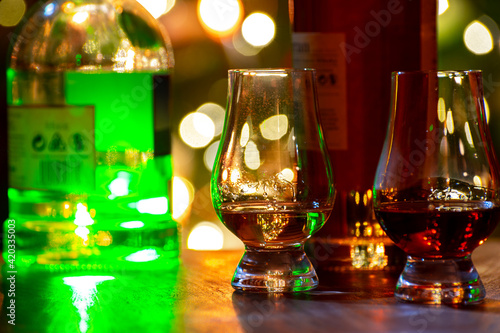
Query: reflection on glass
272, 183
436, 197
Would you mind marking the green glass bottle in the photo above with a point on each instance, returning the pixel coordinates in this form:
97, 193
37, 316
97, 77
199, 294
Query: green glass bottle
90, 165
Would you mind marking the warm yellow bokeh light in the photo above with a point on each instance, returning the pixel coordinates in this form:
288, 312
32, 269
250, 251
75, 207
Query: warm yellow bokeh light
443, 6
468, 134
287, 174
205, 236
450, 126
478, 38
258, 29
183, 194
157, 7
245, 135
197, 129
216, 113
441, 109
80, 17
11, 12
252, 156
219, 16
210, 154
477, 181
274, 127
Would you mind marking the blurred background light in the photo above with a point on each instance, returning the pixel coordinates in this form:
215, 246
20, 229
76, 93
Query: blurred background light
478, 38
183, 196
219, 16
245, 135
274, 127
49, 9
243, 47
210, 154
258, 29
287, 174
197, 129
11, 12
443, 6
205, 236
80, 17
157, 7
216, 113
252, 156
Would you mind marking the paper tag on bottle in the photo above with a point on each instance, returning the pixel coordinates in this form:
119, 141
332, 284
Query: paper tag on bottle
322, 52
51, 148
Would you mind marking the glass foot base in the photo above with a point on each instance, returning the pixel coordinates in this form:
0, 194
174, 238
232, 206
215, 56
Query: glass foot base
440, 281
274, 270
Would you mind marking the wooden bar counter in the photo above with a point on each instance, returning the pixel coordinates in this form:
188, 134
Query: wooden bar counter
197, 296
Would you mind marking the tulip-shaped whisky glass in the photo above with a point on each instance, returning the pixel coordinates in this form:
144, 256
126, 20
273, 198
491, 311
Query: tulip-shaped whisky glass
436, 191
272, 183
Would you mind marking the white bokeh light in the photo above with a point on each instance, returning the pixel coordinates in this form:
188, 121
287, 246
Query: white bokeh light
157, 7
205, 236
219, 15
210, 154
274, 127
258, 29
197, 129
216, 113
478, 38
252, 156
183, 196
443, 6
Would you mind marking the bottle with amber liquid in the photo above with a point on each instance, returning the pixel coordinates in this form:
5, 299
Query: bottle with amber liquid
354, 46
90, 165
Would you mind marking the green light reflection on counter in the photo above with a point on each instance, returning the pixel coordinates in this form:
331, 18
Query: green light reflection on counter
146, 301
84, 295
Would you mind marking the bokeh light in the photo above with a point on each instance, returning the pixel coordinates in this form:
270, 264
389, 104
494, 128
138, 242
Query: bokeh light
274, 127
205, 236
80, 17
443, 6
478, 38
210, 154
183, 194
197, 129
252, 156
258, 29
216, 113
219, 16
157, 7
245, 135
11, 12
243, 47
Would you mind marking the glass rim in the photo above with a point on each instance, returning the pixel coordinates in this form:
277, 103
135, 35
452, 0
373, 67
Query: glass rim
272, 70
439, 72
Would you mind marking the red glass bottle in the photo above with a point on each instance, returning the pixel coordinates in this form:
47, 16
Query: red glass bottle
354, 46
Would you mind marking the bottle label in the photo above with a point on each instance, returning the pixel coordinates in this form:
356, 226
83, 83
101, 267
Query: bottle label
322, 51
51, 148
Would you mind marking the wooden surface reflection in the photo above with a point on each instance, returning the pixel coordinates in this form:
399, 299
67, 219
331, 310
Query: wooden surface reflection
198, 297
344, 302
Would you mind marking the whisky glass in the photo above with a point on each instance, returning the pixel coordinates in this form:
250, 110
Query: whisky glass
272, 182
436, 189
